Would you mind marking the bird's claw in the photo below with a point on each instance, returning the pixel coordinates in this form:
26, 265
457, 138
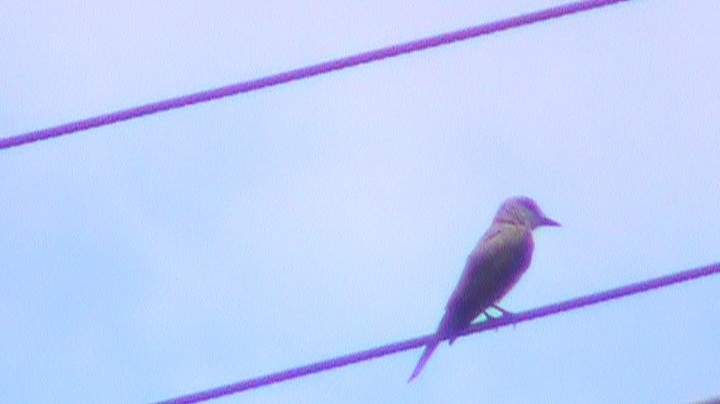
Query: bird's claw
501, 310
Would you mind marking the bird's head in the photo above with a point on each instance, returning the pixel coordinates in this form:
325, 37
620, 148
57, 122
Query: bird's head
523, 211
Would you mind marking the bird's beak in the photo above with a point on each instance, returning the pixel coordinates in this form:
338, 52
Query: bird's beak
546, 221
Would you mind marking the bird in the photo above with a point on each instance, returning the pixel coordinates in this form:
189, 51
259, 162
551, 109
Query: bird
494, 266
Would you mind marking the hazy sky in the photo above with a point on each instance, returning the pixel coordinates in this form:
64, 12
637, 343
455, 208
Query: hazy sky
223, 241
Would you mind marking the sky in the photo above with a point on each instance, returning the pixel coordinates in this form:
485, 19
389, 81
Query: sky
219, 242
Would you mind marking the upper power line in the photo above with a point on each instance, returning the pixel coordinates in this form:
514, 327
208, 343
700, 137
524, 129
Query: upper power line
304, 72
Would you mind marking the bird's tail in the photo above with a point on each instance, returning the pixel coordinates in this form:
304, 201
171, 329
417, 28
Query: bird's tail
423, 359
445, 329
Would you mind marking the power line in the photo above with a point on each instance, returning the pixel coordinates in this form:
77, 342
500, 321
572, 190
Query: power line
513, 319
305, 72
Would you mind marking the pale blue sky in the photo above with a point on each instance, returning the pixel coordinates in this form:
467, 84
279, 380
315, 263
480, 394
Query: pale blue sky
206, 245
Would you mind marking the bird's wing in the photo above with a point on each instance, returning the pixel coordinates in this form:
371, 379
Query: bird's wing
501, 256
493, 267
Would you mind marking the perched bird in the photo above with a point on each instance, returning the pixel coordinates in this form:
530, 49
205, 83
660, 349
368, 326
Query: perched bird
501, 256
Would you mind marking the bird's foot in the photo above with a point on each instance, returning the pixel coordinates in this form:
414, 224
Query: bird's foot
503, 314
501, 310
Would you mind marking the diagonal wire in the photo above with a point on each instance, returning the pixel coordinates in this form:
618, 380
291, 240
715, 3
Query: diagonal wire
302, 73
389, 349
